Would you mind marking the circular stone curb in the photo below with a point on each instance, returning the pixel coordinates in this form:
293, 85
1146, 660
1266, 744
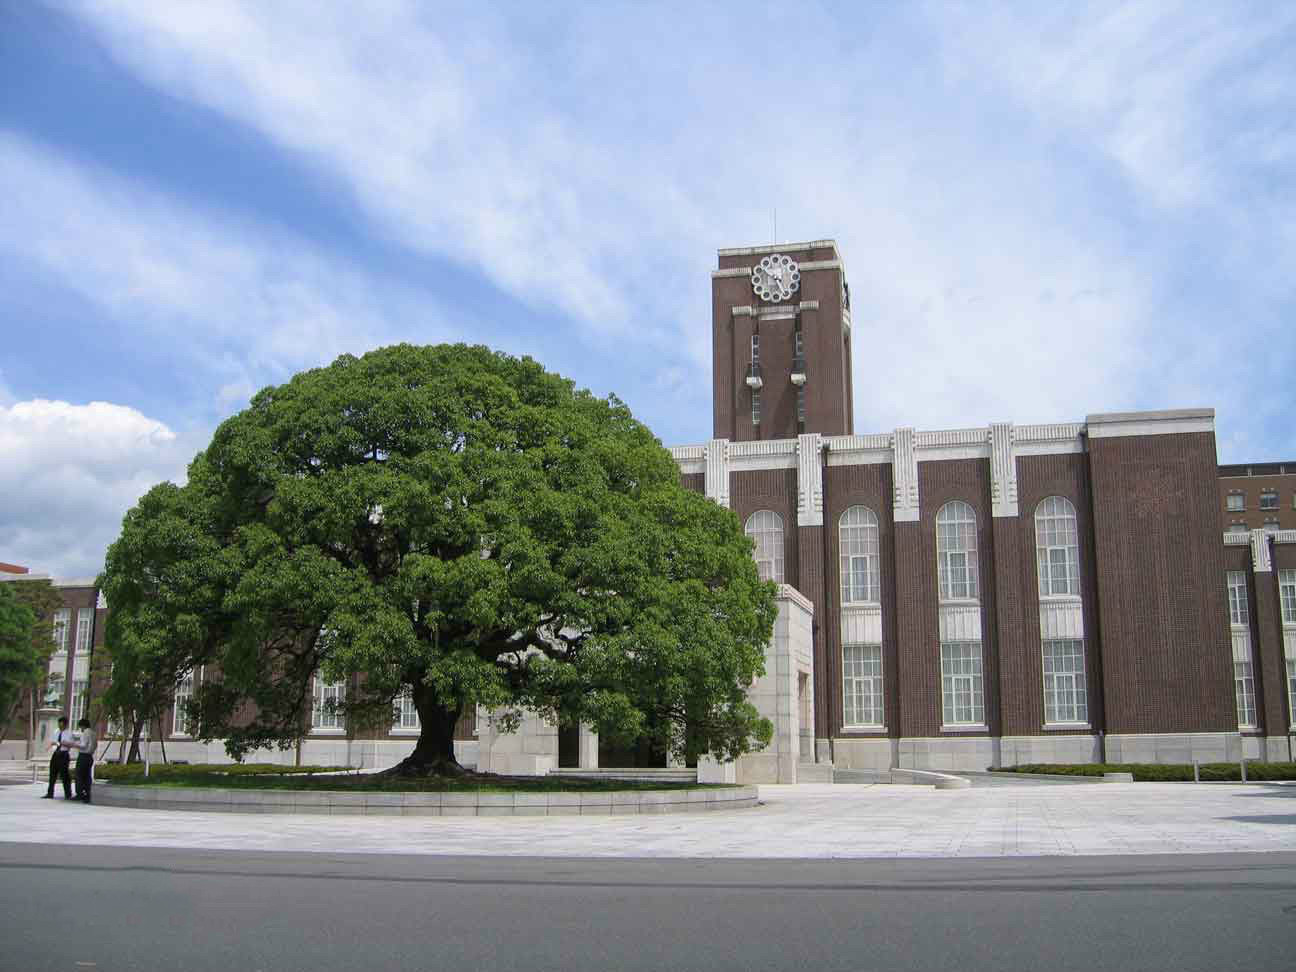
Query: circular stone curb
436, 804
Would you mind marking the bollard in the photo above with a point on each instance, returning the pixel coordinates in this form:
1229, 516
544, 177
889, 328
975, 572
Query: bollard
1242, 763
1196, 771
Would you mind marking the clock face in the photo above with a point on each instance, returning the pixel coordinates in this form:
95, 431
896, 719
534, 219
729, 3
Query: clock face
776, 278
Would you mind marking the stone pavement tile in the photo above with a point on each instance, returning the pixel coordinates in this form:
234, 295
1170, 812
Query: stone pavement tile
820, 821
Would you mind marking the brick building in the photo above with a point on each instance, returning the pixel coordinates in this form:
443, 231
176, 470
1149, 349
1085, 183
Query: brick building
1099, 590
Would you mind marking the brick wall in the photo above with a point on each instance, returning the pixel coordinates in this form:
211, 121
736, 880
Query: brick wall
1162, 604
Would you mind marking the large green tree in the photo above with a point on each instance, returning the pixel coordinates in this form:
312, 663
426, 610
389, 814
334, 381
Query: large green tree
453, 523
26, 642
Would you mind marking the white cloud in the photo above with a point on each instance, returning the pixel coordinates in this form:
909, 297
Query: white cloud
70, 472
200, 281
591, 158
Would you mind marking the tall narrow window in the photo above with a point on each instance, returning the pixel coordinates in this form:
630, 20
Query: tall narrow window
801, 404
766, 530
1237, 597
1243, 664
180, 712
80, 693
54, 690
1235, 502
1287, 595
1057, 549
405, 717
857, 532
85, 620
756, 406
326, 707
62, 621
862, 685
956, 551
962, 698
1066, 697
1268, 499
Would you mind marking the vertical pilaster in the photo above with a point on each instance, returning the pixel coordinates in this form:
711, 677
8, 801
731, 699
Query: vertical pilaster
1016, 672
717, 471
1268, 650
810, 572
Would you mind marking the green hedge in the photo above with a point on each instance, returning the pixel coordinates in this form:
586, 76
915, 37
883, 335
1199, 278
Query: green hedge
1163, 773
131, 772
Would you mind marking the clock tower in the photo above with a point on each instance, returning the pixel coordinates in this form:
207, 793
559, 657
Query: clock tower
781, 342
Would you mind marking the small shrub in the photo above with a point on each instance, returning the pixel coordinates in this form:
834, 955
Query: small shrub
1164, 773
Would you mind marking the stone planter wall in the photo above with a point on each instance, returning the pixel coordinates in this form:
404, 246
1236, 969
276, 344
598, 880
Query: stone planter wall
425, 804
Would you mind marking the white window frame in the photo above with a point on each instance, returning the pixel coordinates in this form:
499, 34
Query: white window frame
1066, 683
80, 696
1235, 503
1272, 496
59, 680
962, 692
325, 719
1238, 528
859, 545
1239, 610
1287, 595
85, 625
405, 718
62, 629
765, 527
1057, 548
863, 688
956, 552
184, 690
755, 406
1244, 692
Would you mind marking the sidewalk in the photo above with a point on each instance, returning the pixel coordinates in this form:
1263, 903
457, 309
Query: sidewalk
807, 821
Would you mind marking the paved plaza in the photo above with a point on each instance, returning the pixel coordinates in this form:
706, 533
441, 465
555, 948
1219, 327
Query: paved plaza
805, 821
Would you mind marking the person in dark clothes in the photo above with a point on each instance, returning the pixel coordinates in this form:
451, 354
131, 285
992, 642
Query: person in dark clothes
85, 744
63, 743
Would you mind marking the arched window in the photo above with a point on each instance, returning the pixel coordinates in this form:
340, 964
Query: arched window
956, 551
1057, 547
857, 531
766, 529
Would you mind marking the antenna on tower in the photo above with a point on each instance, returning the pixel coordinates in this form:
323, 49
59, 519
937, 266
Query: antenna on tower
774, 238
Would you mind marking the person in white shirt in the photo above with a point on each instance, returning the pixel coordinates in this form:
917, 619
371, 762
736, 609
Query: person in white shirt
62, 744
85, 744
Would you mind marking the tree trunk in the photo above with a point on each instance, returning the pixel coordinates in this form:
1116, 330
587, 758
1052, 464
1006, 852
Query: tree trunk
136, 729
434, 752
161, 738
4, 726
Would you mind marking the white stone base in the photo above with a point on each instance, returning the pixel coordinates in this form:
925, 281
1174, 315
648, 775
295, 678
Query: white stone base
976, 753
1078, 748
1185, 747
710, 770
1275, 749
875, 755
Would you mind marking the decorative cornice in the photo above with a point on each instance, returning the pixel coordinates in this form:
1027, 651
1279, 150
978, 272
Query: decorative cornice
806, 305
763, 454
777, 248
1170, 422
732, 272
790, 593
819, 265
1234, 539
1284, 536
690, 459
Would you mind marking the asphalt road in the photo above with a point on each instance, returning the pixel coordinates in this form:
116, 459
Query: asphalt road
108, 909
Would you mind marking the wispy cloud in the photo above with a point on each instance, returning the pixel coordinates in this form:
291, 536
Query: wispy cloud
243, 304
592, 158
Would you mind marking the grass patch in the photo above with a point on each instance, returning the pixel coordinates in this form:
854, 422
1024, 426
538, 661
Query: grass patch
1164, 773
268, 776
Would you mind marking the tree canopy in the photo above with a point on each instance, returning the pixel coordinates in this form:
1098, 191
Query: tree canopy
452, 523
26, 639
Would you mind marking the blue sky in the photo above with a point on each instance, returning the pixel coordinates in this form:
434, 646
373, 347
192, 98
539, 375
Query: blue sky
1046, 210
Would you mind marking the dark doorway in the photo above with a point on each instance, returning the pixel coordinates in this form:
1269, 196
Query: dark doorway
642, 754
569, 747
